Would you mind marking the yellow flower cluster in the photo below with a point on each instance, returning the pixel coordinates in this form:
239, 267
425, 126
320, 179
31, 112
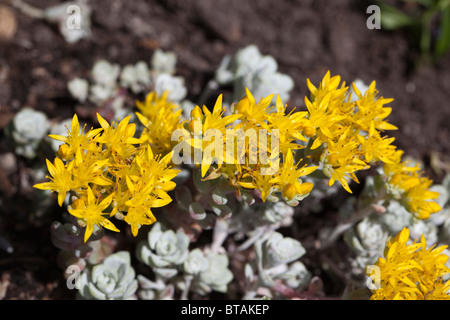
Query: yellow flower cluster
349, 133
109, 173
351, 137
255, 145
160, 118
252, 147
337, 134
410, 271
406, 183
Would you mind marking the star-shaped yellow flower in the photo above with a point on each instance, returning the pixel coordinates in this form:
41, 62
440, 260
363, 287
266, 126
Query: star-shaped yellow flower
61, 179
92, 212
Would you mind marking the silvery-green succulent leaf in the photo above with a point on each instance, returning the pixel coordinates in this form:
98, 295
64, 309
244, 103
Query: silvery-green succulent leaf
250, 69
247, 197
216, 277
113, 279
128, 78
426, 228
155, 290
219, 197
249, 273
266, 66
221, 210
136, 77
163, 248
279, 83
369, 237
395, 218
29, 126
223, 74
174, 85
145, 283
279, 212
99, 93
79, 89
196, 262
297, 276
280, 250
105, 73
197, 211
184, 197
352, 241
154, 235
27, 150
164, 62
265, 279
101, 247
166, 273
142, 73
65, 236
247, 59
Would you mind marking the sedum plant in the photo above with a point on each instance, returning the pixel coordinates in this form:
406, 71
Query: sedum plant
255, 71
239, 170
215, 276
367, 240
164, 250
112, 279
29, 128
278, 250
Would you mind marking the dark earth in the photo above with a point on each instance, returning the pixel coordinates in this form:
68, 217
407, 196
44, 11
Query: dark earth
306, 37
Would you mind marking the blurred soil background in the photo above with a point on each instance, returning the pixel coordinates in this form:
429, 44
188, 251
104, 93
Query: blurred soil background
306, 37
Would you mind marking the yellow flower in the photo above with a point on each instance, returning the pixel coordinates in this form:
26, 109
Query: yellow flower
137, 217
328, 93
341, 160
321, 121
375, 147
417, 199
251, 112
405, 183
92, 213
141, 186
370, 110
61, 179
410, 271
289, 126
117, 136
259, 182
288, 179
160, 118
215, 119
88, 169
75, 140
208, 134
